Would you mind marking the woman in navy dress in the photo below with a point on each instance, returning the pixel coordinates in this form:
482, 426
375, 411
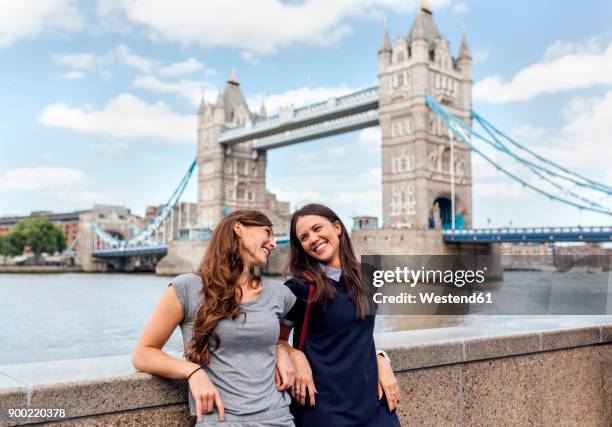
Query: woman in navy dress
341, 381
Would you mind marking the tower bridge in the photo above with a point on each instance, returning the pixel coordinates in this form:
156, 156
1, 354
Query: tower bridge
423, 105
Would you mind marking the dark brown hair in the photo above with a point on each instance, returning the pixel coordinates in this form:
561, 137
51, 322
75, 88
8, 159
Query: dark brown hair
302, 266
220, 269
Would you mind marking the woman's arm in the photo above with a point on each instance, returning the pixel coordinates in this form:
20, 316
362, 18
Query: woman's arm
148, 356
304, 384
387, 382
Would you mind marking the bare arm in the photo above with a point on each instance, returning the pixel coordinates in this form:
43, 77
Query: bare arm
148, 356
304, 384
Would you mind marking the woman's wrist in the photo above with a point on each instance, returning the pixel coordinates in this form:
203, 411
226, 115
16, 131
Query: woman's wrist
384, 355
189, 368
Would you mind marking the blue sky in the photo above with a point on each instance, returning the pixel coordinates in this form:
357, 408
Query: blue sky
99, 97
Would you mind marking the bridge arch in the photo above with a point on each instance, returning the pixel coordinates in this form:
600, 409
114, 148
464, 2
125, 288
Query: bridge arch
440, 212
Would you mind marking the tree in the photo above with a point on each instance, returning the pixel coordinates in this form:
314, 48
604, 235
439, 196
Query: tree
40, 234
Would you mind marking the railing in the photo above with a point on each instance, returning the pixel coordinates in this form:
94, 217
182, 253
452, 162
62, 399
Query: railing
318, 130
292, 119
531, 234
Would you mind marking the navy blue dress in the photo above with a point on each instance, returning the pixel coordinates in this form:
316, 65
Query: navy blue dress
342, 355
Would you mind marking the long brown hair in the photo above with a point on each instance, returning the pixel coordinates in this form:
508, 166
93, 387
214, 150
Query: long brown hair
220, 269
306, 268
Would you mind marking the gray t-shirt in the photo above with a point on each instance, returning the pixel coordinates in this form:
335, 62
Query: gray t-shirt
242, 367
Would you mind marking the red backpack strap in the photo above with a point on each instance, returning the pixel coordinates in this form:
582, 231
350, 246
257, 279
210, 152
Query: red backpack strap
311, 290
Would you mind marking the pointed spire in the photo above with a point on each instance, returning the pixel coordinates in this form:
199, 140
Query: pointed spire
385, 46
202, 104
233, 79
262, 110
220, 102
418, 28
464, 51
424, 6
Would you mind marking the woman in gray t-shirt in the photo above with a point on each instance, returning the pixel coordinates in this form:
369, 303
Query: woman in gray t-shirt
230, 321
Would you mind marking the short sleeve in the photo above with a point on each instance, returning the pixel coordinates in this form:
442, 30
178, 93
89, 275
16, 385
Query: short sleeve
300, 291
188, 289
287, 300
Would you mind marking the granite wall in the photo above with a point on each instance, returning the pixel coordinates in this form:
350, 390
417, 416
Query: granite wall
543, 378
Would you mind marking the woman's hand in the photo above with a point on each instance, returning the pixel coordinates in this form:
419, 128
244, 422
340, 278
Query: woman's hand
304, 384
205, 395
387, 383
285, 371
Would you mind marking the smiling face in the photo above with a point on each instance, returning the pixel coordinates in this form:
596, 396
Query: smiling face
256, 243
319, 238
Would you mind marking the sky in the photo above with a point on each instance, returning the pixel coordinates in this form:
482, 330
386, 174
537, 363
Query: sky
98, 98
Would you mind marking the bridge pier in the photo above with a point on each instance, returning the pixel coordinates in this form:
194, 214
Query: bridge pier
397, 241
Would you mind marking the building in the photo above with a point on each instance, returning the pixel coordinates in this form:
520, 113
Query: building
416, 148
68, 222
231, 178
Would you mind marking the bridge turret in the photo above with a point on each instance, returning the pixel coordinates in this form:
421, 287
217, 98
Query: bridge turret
464, 63
416, 172
384, 53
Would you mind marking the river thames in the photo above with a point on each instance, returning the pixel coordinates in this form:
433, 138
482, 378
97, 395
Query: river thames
47, 317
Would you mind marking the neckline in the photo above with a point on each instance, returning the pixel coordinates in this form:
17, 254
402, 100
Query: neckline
331, 272
250, 302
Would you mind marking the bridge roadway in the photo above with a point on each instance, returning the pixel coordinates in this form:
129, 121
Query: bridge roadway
534, 235
337, 115
485, 235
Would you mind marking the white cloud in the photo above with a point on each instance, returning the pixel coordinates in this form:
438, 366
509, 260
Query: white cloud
124, 117
564, 68
80, 61
460, 8
110, 147
125, 56
189, 89
40, 178
335, 151
480, 55
71, 75
297, 97
357, 197
561, 48
372, 138
188, 66
30, 18
297, 197
278, 23
60, 183
527, 133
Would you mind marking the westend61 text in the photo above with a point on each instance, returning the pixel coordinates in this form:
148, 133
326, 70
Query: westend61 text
432, 298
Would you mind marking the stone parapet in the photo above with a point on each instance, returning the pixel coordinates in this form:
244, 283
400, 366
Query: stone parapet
183, 256
533, 374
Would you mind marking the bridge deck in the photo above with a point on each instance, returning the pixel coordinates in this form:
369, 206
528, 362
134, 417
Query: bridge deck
342, 113
536, 234
130, 251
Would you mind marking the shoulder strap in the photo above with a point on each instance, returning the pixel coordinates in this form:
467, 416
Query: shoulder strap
306, 317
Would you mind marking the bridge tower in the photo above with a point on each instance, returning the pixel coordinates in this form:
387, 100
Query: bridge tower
232, 177
416, 172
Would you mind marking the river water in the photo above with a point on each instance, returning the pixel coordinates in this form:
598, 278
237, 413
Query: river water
76, 315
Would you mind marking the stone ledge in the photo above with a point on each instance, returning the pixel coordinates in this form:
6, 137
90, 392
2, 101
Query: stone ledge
485, 346
100, 387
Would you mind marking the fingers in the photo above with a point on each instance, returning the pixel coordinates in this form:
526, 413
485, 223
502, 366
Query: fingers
303, 394
390, 398
209, 403
198, 403
311, 393
277, 380
380, 391
220, 407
